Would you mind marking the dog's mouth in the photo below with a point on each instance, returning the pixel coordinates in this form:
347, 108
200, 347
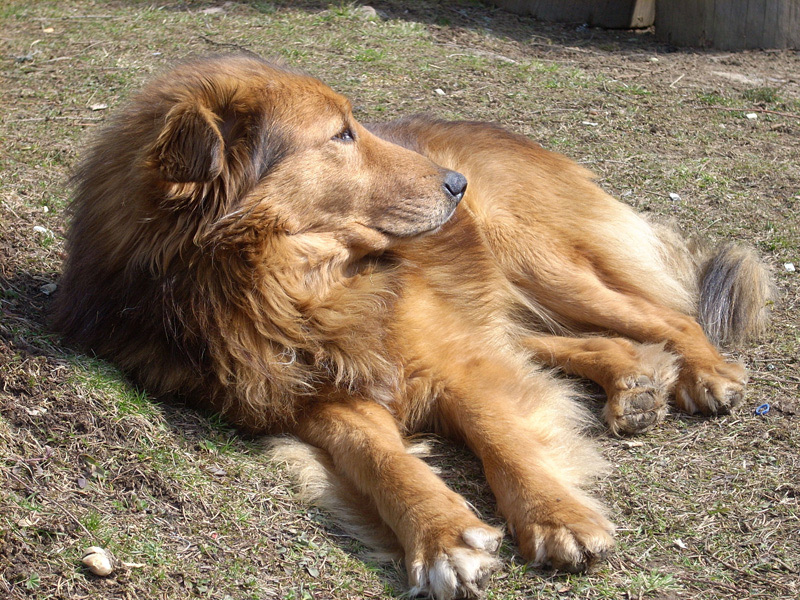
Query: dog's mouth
408, 234
436, 228
404, 228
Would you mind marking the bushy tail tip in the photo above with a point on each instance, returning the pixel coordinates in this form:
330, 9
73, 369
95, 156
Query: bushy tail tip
736, 293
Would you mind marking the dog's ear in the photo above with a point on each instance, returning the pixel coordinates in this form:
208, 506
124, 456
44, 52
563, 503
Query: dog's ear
190, 147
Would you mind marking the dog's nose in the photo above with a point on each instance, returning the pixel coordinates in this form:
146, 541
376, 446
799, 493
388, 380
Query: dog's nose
455, 184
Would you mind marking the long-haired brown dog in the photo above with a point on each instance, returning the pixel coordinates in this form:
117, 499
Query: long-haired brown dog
240, 240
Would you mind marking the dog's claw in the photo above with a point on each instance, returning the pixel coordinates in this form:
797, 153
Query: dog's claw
715, 391
459, 571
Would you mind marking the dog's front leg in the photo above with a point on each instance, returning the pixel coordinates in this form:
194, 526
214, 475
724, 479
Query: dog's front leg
533, 457
449, 552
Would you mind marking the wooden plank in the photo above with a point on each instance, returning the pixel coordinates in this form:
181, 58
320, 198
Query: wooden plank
729, 24
772, 20
788, 31
723, 24
755, 18
644, 14
682, 22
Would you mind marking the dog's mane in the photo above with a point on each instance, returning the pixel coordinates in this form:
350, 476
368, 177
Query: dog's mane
192, 290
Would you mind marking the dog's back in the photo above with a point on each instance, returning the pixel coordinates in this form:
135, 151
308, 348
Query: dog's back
545, 219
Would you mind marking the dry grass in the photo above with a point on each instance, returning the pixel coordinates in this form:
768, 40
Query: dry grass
706, 508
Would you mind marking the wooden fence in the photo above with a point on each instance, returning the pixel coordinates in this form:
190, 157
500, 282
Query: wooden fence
723, 24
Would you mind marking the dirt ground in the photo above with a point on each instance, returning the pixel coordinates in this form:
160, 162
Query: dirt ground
706, 508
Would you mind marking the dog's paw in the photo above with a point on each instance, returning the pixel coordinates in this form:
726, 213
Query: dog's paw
714, 390
570, 540
636, 407
459, 569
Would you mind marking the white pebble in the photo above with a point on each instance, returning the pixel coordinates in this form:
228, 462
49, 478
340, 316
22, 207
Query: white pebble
97, 561
366, 12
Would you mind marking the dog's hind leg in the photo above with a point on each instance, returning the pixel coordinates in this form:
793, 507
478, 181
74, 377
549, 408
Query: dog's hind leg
449, 552
637, 378
706, 382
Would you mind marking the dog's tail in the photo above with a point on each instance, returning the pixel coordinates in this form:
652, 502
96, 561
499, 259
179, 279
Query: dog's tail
317, 483
730, 288
736, 292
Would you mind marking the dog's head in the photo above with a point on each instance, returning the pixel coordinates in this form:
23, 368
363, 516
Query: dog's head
238, 134
225, 230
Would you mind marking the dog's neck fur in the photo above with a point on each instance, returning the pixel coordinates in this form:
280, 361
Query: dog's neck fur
302, 302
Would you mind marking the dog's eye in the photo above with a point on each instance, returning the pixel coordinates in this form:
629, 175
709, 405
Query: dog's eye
346, 135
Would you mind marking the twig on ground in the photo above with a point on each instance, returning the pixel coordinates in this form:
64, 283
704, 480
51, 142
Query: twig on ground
62, 118
73, 517
79, 17
208, 40
788, 379
677, 80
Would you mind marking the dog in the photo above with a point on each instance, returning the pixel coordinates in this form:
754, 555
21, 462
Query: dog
239, 240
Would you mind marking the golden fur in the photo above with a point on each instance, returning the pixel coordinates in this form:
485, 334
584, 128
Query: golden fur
240, 240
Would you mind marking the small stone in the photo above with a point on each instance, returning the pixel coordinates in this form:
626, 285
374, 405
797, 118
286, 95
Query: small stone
674, 197
789, 267
751, 116
631, 444
97, 561
48, 288
439, 91
367, 12
218, 472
